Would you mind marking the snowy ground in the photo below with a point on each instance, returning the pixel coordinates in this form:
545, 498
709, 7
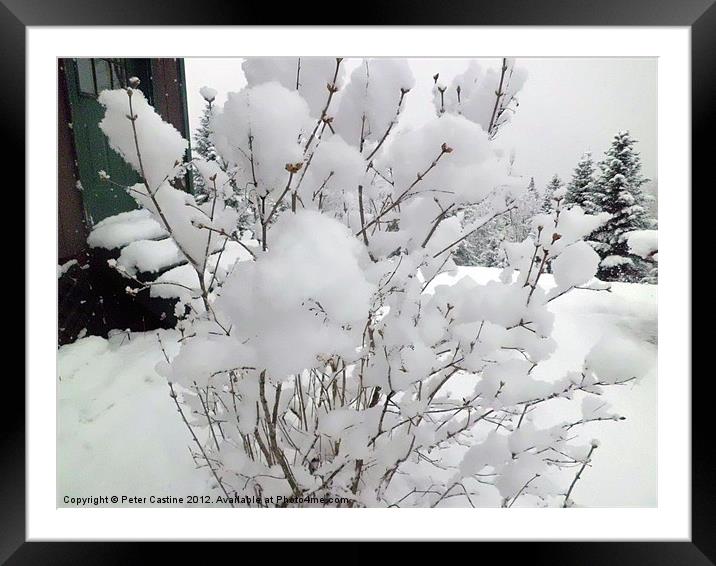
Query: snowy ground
119, 432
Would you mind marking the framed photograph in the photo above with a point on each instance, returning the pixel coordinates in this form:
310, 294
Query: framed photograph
398, 280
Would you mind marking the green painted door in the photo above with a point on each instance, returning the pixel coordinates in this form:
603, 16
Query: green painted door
86, 78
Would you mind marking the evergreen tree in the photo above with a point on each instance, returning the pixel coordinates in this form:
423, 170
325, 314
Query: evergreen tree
483, 246
527, 205
554, 185
202, 137
582, 189
619, 193
203, 145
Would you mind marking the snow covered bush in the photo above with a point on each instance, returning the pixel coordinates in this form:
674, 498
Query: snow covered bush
322, 372
489, 98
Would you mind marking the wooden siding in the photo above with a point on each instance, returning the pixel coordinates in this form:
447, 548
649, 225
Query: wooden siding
167, 86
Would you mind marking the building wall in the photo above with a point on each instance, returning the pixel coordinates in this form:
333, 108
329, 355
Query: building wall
91, 297
72, 229
170, 98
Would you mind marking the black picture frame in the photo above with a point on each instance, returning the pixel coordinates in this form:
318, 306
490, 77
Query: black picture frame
699, 15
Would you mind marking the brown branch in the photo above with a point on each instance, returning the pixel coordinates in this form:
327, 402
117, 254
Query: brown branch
275, 448
456, 242
437, 222
173, 395
579, 474
332, 89
403, 92
362, 215
498, 95
443, 150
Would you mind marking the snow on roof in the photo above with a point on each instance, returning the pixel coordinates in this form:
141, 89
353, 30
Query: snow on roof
119, 230
150, 256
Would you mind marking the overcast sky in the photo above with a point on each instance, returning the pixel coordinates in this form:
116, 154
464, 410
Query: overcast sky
567, 106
